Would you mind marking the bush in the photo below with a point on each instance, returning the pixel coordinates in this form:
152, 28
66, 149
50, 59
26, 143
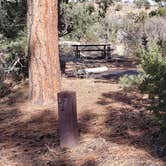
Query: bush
154, 84
149, 30
161, 12
95, 33
106, 29
151, 81
153, 30
131, 82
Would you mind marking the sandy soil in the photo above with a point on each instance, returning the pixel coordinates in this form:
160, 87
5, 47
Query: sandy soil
115, 129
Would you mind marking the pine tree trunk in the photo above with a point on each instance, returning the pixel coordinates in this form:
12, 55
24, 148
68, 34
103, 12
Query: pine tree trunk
44, 69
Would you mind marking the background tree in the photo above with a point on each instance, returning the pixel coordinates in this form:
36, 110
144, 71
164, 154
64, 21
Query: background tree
13, 17
44, 74
13, 41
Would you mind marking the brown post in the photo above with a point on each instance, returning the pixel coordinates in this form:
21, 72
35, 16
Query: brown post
67, 119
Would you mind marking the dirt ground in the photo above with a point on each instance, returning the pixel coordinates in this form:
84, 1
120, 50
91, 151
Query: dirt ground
115, 129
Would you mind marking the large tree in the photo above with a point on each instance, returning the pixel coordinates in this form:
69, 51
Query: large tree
44, 72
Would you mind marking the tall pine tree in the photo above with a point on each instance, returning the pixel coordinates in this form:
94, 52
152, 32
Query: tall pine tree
44, 72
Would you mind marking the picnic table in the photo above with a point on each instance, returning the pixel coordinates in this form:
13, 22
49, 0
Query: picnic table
103, 48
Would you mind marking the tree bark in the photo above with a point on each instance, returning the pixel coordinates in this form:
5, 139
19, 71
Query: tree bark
44, 68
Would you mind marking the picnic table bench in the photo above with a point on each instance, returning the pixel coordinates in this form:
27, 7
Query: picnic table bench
104, 48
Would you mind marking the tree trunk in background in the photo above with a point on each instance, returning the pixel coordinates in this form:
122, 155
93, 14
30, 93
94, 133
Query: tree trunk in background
44, 69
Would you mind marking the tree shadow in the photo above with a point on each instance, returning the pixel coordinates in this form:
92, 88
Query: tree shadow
130, 123
34, 139
28, 140
15, 95
85, 121
133, 99
28, 135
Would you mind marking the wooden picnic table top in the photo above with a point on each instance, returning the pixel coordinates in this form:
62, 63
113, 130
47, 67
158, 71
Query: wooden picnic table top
91, 45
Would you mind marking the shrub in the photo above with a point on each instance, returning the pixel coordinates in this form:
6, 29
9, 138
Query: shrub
106, 29
151, 80
151, 29
153, 13
162, 11
131, 81
159, 12
95, 33
154, 84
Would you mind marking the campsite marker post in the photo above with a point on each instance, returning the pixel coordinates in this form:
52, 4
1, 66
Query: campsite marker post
67, 111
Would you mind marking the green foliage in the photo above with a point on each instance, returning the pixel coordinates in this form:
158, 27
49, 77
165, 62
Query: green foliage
77, 19
105, 30
161, 12
154, 84
151, 80
137, 18
131, 81
13, 45
95, 32
13, 17
15, 60
65, 19
153, 13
